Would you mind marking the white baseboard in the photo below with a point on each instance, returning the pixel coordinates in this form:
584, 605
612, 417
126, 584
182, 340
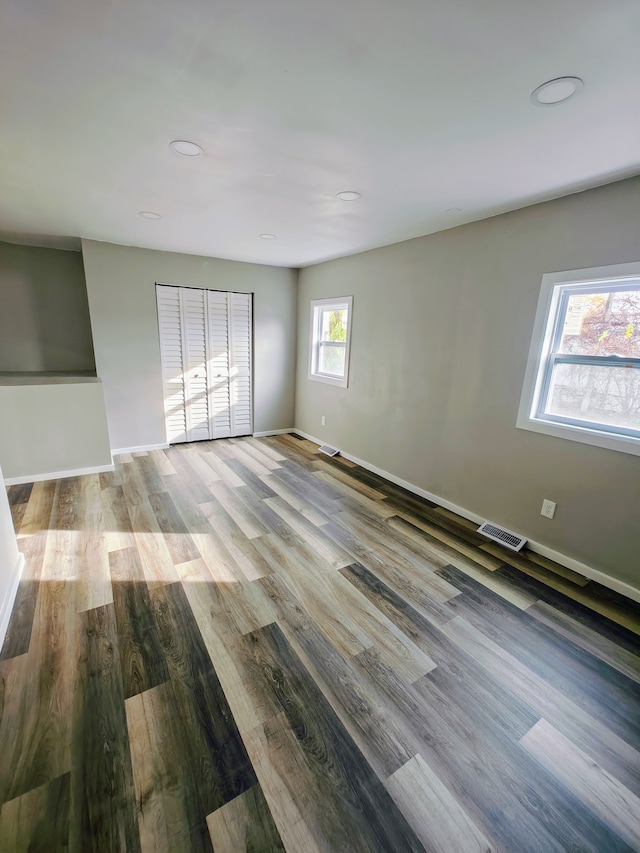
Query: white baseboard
568, 562
57, 475
272, 432
7, 605
118, 450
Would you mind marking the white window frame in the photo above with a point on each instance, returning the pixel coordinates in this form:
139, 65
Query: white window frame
318, 307
542, 357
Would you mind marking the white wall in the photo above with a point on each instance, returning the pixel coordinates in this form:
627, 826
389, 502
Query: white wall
441, 332
122, 303
11, 561
52, 428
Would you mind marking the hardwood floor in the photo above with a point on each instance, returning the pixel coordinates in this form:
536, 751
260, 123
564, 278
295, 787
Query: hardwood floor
241, 645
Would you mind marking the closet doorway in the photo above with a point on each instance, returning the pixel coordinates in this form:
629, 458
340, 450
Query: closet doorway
206, 354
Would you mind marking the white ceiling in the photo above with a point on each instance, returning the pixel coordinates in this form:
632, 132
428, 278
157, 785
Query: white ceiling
420, 105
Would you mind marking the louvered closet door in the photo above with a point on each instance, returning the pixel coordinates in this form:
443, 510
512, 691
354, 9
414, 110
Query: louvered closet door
170, 327
219, 396
240, 362
205, 344
194, 358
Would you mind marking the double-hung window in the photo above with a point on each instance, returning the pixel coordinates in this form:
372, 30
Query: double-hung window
583, 379
329, 339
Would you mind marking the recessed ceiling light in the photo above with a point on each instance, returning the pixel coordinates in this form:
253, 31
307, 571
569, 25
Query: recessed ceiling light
348, 195
453, 210
556, 91
149, 214
268, 236
186, 149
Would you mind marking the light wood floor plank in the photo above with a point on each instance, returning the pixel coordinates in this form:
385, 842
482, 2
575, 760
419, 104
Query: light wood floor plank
603, 793
595, 738
155, 557
433, 811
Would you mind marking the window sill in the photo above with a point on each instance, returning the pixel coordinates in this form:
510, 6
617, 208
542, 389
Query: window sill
328, 380
621, 443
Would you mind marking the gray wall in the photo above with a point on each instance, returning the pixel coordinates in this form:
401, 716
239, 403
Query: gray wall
121, 288
441, 332
52, 428
44, 315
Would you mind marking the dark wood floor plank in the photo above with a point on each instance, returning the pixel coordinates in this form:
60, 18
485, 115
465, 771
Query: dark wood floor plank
18, 637
596, 643
488, 770
414, 563
533, 560
601, 691
395, 605
134, 488
38, 513
216, 763
19, 494
168, 813
477, 561
151, 474
295, 450
347, 806
450, 540
592, 597
37, 721
377, 736
17, 513
38, 821
613, 753
337, 473
245, 825
102, 787
466, 682
414, 577
141, 656
251, 479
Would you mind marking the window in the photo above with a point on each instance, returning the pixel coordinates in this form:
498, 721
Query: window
329, 340
583, 377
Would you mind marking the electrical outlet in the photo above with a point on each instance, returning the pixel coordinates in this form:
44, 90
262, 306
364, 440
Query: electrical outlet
548, 508
324, 421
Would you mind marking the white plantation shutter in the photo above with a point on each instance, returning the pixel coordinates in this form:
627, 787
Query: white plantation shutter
219, 397
240, 362
205, 344
194, 349
171, 356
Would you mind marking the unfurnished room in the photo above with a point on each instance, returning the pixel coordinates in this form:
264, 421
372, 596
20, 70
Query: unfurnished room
319, 426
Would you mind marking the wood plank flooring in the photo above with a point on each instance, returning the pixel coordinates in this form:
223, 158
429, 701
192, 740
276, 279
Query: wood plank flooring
241, 645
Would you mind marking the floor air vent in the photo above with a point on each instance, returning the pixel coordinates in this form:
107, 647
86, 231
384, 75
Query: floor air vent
328, 450
504, 537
